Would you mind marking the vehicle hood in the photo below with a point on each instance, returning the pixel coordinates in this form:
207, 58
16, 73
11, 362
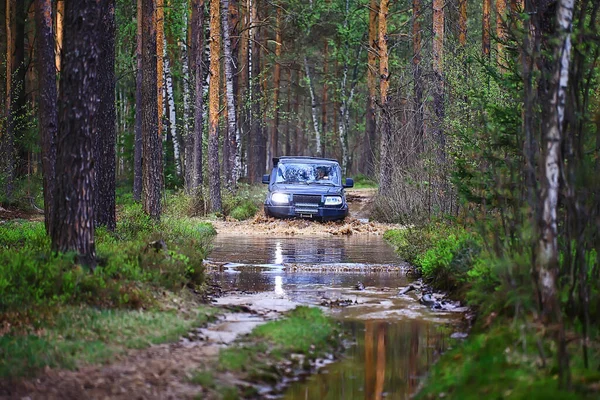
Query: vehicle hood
307, 189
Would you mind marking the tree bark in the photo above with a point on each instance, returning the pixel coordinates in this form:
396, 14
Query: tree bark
553, 136
324, 98
152, 179
274, 139
232, 127
369, 147
198, 73
60, 13
73, 227
500, 28
462, 22
257, 140
137, 155
106, 136
172, 117
187, 115
385, 167
313, 104
417, 75
213, 104
8, 141
48, 116
160, 54
438, 69
485, 29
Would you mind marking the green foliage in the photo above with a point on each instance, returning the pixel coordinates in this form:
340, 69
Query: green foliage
245, 202
364, 182
304, 330
139, 257
81, 335
505, 362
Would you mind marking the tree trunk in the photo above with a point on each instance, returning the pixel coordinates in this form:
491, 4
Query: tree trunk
553, 136
324, 98
257, 142
231, 172
152, 180
188, 138
172, 117
313, 103
369, 147
137, 155
106, 136
8, 141
385, 167
48, 116
288, 144
273, 151
462, 22
60, 14
438, 70
501, 28
213, 105
73, 227
198, 73
417, 78
485, 29
160, 54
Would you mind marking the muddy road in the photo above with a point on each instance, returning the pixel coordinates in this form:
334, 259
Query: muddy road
393, 338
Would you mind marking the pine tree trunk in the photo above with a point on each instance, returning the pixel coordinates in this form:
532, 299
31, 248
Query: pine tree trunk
106, 136
198, 73
385, 164
417, 78
256, 145
369, 142
462, 22
486, 28
213, 104
438, 70
8, 140
73, 227
137, 155
152, 176
231, 172
60, 14
501, 28
48, 115
273, 150
288, 144
160, 55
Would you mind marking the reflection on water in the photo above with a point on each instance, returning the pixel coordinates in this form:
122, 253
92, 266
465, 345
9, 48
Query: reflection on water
319, 249
396, 338
387, 362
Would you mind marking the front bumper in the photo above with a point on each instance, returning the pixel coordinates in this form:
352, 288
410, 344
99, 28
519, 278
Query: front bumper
320, 213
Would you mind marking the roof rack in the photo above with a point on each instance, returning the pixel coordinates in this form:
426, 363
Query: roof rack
276, 159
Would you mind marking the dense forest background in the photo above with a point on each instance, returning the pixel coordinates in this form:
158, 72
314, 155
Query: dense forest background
486, 112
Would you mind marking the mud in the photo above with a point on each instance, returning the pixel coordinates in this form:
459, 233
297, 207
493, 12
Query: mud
357, 223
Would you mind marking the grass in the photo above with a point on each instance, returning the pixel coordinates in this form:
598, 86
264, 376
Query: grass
83, 335
259, 357
364, 182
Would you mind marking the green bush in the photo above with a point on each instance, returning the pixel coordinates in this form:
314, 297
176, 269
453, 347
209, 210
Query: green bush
363, 182
246, 201
139, 257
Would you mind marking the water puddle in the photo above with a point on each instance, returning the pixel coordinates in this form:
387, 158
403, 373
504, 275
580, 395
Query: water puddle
357, 280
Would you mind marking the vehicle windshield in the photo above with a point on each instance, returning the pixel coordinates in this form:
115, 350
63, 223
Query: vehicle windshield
310, 173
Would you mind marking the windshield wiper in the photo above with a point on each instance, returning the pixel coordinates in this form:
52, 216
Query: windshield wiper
323, 183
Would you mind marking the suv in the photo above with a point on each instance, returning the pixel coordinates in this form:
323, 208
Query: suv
306, 187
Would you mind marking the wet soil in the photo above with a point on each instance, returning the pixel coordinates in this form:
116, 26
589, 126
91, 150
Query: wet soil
357, 223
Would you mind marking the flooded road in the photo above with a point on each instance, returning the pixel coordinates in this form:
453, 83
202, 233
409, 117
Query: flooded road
395, 339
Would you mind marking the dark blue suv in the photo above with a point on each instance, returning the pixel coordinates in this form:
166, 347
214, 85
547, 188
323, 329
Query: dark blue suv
306, 187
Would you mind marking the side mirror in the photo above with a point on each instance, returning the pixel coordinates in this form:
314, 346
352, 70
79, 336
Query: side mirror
349, 183
266, 179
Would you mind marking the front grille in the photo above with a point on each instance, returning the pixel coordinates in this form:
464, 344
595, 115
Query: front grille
306, 199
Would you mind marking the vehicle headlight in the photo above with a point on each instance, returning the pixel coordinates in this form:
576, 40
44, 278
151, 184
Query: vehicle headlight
333, 200
280, 198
